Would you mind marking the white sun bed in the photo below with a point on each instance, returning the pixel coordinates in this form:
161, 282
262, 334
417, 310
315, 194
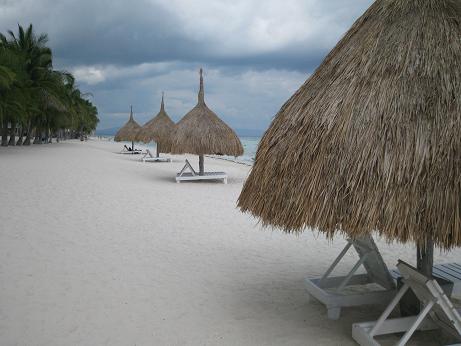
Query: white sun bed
132, 152
192, 175
376, 287
149, 157
435, 305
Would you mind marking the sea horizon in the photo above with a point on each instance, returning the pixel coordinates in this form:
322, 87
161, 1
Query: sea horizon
249, 143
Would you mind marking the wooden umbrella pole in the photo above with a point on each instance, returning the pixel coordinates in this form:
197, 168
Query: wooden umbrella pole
158, 149
132, 145
201, 165
425, 258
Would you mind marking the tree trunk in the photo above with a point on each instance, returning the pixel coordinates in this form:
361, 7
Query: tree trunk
201, 165
28, 134
38, 136
47, 135
21, 136
5, 134
12, 140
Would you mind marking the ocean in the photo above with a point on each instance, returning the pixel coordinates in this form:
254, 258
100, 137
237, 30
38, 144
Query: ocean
250, 145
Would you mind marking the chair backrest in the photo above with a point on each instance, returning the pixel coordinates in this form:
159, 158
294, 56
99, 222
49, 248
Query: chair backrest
374, 264
190, 167
187, 166
427, 289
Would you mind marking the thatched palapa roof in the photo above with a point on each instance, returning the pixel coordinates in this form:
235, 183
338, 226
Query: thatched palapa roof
201, 132
158, 129
128, 131
372, 140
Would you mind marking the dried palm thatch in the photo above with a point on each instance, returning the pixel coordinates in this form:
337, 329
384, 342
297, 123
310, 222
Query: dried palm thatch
158, 129
371, 141
201, 132
128, 131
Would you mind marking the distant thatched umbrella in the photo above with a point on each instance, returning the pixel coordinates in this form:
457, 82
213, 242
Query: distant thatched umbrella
371, 141
158, 129
201, 132
129, 131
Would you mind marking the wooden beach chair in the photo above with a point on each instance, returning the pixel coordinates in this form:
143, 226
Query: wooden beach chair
149, 157
192, 175
132, 152
435, 304
337, 292
375, 287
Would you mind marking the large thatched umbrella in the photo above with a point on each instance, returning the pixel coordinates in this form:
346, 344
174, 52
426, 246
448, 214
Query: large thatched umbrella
371, 141
158, 129
201, 132
128, 131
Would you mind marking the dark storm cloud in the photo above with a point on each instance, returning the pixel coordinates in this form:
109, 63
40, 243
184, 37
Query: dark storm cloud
256, 53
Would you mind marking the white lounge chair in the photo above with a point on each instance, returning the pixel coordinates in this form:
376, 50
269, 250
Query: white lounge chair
149, 157
435, 305
183, 175
376, 287
132, 152
336, 292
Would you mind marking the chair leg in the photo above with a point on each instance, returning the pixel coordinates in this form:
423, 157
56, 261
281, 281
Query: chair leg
334, 312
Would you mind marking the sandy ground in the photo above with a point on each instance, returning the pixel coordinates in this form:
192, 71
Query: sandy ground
100, 249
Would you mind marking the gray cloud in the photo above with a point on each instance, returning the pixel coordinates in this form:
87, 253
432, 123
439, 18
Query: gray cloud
256, 54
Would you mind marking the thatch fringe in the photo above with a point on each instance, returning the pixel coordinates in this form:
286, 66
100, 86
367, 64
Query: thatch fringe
158, 129
128, 131
371, 141
201, 132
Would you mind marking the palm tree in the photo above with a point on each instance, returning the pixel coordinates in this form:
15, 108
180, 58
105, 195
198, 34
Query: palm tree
34, 98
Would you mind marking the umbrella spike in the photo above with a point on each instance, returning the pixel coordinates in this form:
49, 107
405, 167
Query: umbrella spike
201, 93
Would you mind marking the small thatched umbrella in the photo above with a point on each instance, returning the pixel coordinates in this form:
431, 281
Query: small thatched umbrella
158, 129
371, 141
201, 132
128, 131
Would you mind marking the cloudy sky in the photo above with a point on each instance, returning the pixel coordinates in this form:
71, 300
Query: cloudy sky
255, 53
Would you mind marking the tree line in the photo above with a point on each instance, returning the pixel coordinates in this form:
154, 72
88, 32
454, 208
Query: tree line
37, 102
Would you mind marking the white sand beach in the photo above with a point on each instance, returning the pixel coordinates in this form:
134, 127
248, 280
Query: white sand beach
101, 249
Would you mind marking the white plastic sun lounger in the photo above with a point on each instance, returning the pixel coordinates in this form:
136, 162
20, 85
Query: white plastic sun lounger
376, 287
337, 292
132, 152
149, 157
192, 175
435, 305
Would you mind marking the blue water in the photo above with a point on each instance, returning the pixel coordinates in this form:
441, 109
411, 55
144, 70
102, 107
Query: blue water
250, 145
